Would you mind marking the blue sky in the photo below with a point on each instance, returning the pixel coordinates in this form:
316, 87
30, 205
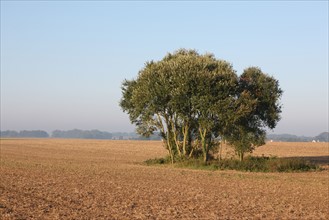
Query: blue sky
62, 63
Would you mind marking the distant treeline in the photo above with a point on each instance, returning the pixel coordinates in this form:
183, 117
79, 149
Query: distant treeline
21, 134
84, 134
96, 134
77, 133
323, 137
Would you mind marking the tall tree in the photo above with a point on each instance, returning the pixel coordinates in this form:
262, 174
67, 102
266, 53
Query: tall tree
191, 99
180, 96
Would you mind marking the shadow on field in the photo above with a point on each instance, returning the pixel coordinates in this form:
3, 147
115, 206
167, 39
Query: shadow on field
319, 160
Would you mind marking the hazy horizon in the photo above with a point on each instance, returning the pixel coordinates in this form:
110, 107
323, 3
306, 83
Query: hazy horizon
62, 63
133, 131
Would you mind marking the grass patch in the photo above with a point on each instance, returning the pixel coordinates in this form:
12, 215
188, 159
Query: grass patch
196, 164
249, 164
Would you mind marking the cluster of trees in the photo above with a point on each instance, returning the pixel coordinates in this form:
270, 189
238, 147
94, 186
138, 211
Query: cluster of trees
24, 133
195, 100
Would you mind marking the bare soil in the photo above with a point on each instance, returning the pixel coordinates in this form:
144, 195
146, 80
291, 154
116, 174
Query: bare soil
88, 179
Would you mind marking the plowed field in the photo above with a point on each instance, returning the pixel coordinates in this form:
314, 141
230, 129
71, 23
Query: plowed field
87, 179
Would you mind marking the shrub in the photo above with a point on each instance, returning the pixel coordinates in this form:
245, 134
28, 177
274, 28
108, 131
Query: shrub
250, 164
255, 164
156, 161
268, 164
290, 165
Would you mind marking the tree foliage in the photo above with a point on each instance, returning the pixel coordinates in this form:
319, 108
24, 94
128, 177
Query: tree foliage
257, 108
192, 99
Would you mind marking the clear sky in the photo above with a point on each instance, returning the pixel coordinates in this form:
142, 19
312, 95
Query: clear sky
62, 63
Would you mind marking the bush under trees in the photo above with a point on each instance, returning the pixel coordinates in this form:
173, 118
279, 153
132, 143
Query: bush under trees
196, 100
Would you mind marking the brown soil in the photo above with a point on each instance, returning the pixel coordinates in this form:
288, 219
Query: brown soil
87, 179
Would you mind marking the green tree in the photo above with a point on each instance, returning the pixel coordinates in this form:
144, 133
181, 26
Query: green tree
180, 96
215, 92
191, 99
257, 108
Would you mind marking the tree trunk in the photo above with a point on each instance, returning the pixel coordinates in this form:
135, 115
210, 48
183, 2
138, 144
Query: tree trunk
170, 148
220, 150
189, 143
241, 154
204, 144
177, 144
185, 133
191, 153
173, 125
205, 157
169, 140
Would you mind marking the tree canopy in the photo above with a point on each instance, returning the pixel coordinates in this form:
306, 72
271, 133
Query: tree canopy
194, 99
